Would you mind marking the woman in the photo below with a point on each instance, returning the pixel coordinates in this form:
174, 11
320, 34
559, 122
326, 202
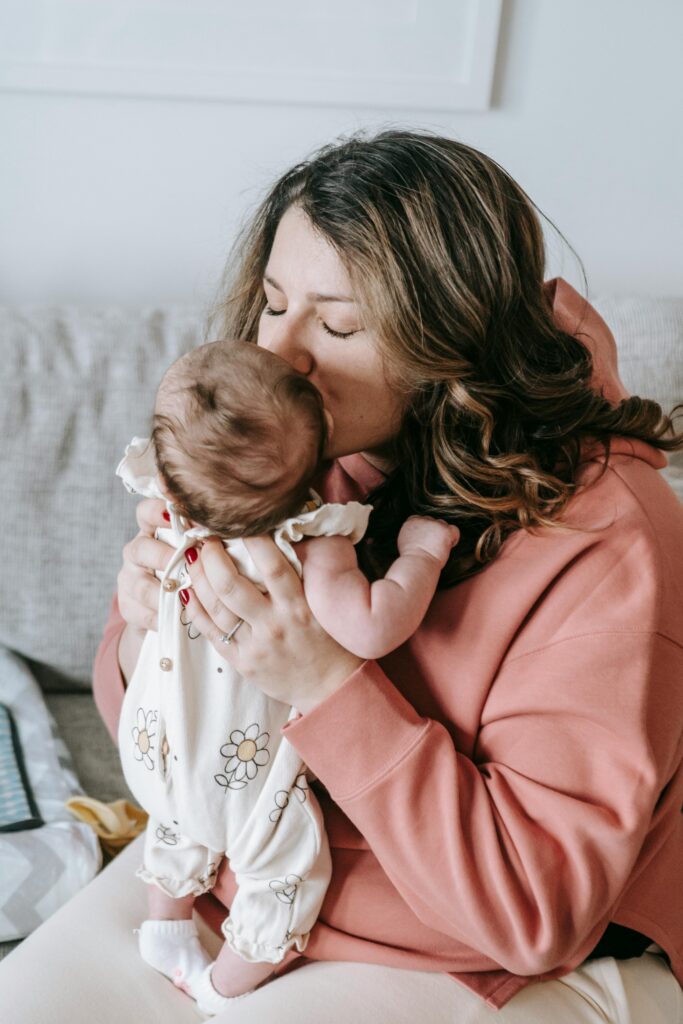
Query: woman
502, 794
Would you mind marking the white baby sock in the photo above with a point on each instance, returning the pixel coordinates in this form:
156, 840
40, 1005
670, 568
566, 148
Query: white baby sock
210, 1001
174, 949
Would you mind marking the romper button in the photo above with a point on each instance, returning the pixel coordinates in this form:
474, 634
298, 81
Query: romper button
165, 664
170, 585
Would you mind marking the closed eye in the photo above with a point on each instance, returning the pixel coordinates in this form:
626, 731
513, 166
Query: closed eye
269, 311
338, 334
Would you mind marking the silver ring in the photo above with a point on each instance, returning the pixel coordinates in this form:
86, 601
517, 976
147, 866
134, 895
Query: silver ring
227, 637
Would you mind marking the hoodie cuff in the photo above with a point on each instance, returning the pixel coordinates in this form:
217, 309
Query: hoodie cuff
358, 734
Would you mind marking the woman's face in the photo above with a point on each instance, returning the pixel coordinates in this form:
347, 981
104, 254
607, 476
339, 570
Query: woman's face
312, 320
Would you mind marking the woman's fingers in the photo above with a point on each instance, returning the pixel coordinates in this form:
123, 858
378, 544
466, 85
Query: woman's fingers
150, 515
196, 614
147, 553
139, 615
141, 587
222, 591
138, 587
195, 610
138, 596
280, 577
220, 596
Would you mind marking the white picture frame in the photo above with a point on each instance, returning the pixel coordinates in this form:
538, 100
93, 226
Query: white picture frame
407, 54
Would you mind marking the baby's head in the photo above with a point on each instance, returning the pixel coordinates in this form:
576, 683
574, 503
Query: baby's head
238, 436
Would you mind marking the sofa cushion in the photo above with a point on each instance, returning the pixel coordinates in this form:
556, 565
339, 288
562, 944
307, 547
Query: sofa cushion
76, 385
95, 758
649, 335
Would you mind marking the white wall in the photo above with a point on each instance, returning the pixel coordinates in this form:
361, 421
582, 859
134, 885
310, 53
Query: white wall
136, 201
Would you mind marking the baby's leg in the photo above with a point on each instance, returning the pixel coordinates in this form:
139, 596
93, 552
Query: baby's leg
162, 907
168, 939
232, 976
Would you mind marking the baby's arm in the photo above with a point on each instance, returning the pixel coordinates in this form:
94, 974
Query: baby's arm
372, 619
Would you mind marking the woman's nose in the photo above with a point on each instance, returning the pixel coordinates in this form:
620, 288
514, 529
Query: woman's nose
288, 341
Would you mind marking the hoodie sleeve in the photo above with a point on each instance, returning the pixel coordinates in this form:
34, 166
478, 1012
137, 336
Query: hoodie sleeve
574, 315
522, 850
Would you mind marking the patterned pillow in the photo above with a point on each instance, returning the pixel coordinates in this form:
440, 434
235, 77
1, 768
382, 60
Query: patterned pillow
40, 868
18, 810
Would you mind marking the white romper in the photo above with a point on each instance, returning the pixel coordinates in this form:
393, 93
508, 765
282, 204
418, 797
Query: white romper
202, 751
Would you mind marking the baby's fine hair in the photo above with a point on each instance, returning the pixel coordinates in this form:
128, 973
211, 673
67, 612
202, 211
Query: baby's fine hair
238, 436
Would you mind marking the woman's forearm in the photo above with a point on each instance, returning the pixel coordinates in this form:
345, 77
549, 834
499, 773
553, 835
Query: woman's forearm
516, 862
108, 683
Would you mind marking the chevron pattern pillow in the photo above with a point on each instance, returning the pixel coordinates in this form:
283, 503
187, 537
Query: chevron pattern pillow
40, 867
18, 809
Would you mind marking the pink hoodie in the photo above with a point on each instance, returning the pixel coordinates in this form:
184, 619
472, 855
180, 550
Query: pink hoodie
510, 780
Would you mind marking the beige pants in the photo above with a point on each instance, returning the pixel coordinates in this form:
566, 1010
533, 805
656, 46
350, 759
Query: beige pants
82, 967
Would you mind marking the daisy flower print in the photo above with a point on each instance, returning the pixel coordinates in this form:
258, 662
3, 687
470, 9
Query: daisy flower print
143, 736
246, 752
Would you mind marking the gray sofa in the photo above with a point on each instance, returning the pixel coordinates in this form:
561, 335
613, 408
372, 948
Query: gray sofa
76, 385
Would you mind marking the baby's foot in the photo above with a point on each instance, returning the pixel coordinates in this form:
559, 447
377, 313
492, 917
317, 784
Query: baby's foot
173, 948
209, 999
425, 535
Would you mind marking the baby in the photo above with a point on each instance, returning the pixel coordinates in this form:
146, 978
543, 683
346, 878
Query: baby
237, 438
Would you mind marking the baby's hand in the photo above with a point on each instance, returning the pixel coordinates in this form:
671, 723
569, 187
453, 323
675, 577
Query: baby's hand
421, 535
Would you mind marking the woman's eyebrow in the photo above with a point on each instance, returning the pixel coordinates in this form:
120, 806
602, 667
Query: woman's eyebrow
311, 296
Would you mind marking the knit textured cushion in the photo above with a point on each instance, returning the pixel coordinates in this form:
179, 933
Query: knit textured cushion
75, 386
649, 335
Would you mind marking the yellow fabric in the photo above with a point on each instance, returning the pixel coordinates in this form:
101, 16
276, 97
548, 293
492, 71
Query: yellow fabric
115, 823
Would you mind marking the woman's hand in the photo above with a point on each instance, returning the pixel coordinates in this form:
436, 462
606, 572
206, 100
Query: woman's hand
280, 647
138, 587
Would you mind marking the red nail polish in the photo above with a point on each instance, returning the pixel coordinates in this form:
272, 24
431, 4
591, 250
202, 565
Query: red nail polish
191, 555
184, 596
166, 516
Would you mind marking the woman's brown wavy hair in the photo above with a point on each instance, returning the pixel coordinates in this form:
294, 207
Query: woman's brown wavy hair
445, 252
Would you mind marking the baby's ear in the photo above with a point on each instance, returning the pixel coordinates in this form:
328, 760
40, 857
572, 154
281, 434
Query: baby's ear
162, 487
329, 422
